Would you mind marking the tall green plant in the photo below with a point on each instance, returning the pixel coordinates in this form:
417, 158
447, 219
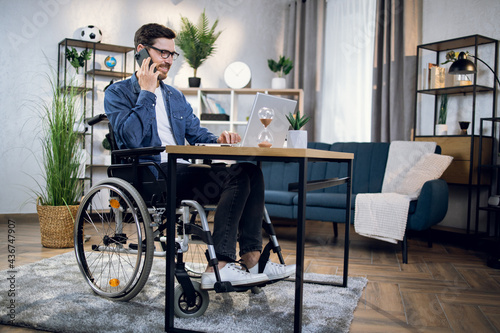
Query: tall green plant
197, 41
61, 153
443, 109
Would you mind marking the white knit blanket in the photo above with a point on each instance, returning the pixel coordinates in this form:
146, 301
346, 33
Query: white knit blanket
384, 215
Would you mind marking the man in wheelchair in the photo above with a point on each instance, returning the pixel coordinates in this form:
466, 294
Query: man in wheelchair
145, 112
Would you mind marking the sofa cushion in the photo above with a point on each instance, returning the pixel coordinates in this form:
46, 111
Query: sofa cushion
280, 197
429, 167
277, 175
369, 164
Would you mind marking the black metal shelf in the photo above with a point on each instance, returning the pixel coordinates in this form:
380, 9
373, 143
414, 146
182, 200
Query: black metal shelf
102, 72
95, 46
468, 89
471, 42
457, 43
90, 79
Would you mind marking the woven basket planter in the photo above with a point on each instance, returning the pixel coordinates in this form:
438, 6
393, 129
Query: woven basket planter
57, 225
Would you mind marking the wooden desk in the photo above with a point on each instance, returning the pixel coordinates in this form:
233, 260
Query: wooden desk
300, 156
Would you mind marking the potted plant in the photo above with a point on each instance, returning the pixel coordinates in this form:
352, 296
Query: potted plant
106, 158
282, 67
77, 61
57, 200
441, 127
297, 138
197, 42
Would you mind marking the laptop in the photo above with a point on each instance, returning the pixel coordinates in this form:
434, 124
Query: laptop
278, 126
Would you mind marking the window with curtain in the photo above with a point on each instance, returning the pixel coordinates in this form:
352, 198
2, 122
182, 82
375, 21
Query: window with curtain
344, 111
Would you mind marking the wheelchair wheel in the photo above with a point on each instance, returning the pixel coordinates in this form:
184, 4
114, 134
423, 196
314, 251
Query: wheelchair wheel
195, 260
114, 239
182, 308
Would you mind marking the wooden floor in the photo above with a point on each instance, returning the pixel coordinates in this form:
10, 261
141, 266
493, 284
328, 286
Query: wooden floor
446, 288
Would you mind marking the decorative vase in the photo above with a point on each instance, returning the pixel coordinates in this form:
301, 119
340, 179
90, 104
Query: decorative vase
79, 80
464, 125
194, 82
297, 139
278, 83
441, 129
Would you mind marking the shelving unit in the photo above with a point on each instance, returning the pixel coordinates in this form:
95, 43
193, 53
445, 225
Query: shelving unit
237, 102
94, 74
491, 170
464, 169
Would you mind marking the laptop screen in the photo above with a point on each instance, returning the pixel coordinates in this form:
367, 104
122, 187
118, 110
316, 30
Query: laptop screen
278, 127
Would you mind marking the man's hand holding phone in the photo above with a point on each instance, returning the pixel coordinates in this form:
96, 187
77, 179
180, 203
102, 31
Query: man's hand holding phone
147, 75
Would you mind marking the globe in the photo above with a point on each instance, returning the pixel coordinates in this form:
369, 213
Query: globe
110, 62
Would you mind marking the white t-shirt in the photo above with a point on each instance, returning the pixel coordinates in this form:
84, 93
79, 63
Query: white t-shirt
163, 124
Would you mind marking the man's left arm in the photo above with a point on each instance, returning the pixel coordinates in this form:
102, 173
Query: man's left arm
186, 124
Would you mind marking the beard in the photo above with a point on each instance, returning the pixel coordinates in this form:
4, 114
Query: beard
163, 69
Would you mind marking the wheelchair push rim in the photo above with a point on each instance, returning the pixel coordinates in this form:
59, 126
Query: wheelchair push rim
114, 240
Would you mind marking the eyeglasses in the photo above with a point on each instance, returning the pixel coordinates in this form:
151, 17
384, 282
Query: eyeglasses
165, 54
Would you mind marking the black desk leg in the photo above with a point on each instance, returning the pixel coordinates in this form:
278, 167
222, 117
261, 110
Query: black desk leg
301, 219
348, 222
170, 260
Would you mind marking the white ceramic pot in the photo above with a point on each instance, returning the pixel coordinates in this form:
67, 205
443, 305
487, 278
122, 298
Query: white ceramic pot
441, 129
297, 139
278, 83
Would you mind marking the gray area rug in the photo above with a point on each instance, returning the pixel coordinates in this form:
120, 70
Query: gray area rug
52, 295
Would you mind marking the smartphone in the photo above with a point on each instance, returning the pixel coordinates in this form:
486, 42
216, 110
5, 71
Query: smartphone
141, 55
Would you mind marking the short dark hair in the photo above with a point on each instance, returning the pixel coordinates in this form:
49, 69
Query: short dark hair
147, 34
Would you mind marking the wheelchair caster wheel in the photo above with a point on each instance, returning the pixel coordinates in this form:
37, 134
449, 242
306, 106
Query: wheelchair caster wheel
181, 306
256, 290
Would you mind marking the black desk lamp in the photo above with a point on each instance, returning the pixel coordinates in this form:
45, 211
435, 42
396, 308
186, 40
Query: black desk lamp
464, 66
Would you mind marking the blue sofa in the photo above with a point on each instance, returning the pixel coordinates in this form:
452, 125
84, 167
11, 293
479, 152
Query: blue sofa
368, 174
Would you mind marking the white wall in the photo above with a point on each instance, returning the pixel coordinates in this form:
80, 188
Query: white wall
446, 19
253, 31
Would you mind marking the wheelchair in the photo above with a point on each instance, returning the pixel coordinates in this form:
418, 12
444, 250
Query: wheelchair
121, 221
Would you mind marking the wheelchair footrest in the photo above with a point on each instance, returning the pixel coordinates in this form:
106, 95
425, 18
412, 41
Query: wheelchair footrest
226, 286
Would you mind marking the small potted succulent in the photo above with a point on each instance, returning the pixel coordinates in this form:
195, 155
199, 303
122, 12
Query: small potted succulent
297, 138
281, 67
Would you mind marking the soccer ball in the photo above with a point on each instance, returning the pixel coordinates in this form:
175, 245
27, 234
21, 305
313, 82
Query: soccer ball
91, 33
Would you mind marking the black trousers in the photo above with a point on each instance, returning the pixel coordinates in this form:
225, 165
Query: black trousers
238, 192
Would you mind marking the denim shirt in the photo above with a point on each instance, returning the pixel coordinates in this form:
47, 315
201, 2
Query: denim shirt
132, 114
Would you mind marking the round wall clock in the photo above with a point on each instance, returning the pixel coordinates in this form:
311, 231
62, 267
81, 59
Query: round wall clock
237, 75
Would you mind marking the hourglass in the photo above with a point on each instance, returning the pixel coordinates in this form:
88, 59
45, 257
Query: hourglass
265, 139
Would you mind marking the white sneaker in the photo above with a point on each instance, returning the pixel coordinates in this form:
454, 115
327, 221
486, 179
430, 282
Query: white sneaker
237, 275
275, 271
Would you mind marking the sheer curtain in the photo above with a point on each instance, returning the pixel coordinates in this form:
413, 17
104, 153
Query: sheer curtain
304, 43
344, 112
397, 36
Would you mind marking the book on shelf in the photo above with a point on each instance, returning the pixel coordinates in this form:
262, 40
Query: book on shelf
214, 110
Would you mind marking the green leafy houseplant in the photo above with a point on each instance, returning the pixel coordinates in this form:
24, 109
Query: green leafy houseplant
197, 41
282, 67
76, 59
296, 121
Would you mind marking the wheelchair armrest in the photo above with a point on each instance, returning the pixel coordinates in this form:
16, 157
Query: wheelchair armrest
122, 153
96, 119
